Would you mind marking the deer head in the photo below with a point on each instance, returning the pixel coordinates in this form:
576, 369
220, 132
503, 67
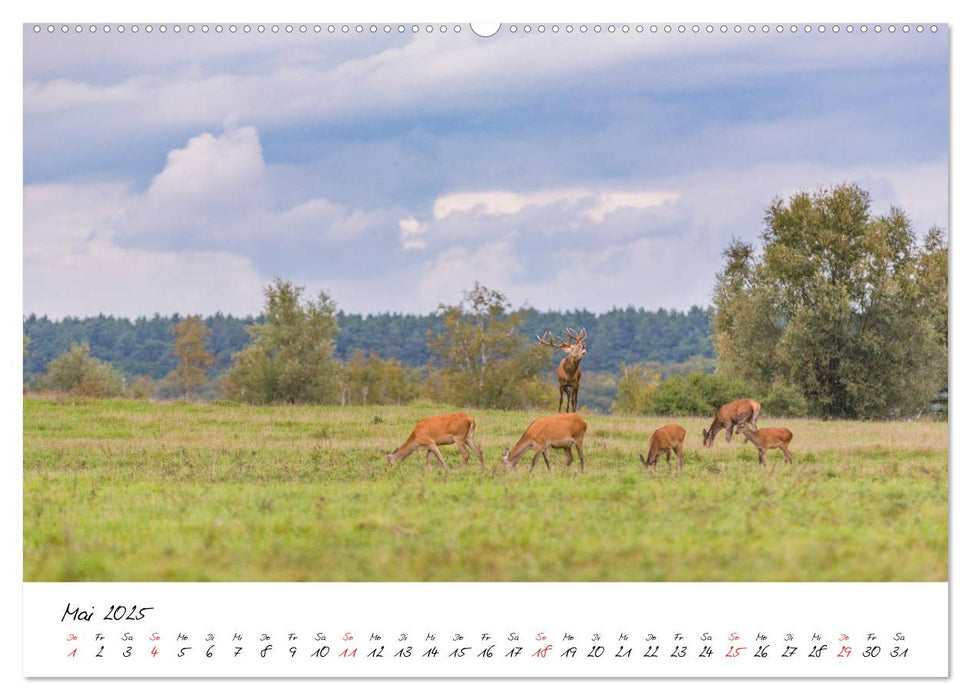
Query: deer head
573, 345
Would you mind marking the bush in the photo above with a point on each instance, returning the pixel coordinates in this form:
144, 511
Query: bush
635, 390
143, 387
679, 396
785, 400
77, 373
697, 394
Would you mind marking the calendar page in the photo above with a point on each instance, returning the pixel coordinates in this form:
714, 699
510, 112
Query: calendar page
468, 350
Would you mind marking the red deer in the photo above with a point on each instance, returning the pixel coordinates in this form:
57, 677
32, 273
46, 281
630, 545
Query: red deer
568, 371
562, 431
768, 439
457, 428
737, 413
670, 437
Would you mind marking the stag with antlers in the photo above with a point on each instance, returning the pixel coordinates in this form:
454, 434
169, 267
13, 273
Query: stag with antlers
568, 372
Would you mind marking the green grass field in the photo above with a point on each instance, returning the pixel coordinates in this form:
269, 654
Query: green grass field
123, 490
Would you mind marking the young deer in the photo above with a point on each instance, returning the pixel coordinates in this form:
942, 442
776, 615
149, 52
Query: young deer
737, 413
670, 437
562, 430
768, 439
568, 371
457, 428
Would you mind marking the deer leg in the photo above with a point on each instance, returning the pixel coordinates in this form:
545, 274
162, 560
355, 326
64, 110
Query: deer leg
532, 464
428, 456
667, 455
680, 457
788, 456
464, 452
560, 407
569, 455
434, 448
547, 460
580, 452
478, 452
761, 456
729, 432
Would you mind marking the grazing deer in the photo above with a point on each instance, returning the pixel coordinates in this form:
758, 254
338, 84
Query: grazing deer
737, 413
457, 428
670, 437
562, 431
568, 371
767, 439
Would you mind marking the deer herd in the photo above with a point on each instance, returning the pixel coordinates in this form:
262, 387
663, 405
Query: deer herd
565, 431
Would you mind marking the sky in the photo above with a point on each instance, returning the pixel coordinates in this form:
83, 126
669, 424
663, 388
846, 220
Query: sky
182, 173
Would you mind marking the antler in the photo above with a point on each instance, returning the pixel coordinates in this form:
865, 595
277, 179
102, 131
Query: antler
549, 339
577, 336
574, 338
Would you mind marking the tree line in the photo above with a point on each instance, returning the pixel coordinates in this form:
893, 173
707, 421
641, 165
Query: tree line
145, 346
835, 312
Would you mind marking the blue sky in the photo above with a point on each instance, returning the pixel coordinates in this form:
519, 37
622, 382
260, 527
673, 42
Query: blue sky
176, 173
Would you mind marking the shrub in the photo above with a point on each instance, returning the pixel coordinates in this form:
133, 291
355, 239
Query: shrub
679, 396
77, 373
142, 387
785, 400
697, 394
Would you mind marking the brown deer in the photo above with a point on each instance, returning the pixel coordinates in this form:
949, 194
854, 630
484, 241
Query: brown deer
768, 439
562, 431
457, 428
737, 413
568, 371
670, 437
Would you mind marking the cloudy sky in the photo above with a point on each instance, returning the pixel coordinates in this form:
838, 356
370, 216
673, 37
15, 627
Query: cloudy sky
181, 173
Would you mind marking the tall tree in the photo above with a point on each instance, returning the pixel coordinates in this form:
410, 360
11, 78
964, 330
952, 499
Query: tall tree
193, 357
838, 304
290, 358
486, 360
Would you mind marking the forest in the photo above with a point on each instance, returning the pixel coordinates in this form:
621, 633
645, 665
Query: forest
144, 346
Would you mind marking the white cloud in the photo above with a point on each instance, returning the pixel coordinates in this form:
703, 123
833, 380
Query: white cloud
582, 204
609, 202
333, 81
410, 231
454, 270
106, 248
218, 193
211, 168
501, 203
203, 236
73, 267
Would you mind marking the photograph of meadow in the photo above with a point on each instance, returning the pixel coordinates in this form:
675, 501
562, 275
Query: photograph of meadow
424, 306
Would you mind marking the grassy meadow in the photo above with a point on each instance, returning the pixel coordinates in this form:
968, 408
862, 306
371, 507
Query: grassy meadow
126, 490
